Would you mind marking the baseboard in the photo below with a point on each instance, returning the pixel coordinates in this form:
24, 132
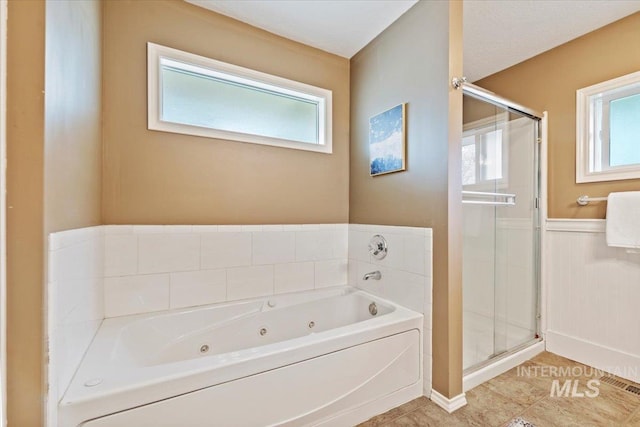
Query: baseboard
610, 360
447, 404
501, 366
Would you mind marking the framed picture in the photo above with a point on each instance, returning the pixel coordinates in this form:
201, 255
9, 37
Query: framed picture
387, 143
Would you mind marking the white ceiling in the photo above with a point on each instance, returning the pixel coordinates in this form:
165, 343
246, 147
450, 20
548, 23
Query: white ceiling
342, 27
497, 33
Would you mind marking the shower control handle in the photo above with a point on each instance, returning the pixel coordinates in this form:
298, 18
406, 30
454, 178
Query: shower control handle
378, 247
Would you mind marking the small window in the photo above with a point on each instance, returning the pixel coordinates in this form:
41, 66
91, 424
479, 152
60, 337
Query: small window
483, 153
194, 95
608, 130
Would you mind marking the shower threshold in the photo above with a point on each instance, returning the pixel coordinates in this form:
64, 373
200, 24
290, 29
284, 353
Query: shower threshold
501, 363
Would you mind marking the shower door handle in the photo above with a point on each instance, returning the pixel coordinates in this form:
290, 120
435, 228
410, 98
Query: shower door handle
480, 198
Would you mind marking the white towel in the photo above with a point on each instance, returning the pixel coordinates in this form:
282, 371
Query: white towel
623, 220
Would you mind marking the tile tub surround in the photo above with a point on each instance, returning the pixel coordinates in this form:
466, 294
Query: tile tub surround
406, 273
406, 270
134, 269
75, 303
152, 268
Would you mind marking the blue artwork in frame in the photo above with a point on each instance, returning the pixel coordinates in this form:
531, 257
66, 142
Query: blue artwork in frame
387, 141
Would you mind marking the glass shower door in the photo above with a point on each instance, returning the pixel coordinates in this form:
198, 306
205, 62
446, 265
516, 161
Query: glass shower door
499, 177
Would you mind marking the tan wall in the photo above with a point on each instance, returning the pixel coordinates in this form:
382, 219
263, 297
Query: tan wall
54, 169
549, 82
161, 178
406, 63
25, 213
73, 127
54, 159
409, 62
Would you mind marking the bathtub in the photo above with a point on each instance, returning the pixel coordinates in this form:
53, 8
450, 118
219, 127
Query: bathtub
330, 357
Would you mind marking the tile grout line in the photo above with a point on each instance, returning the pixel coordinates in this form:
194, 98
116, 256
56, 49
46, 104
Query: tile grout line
631, 415
404, 414
508, 399
518, 414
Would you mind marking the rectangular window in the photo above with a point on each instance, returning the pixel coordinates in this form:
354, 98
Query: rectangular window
469, 162
608, 130
624, 131
194, 95
491, 166
483, 153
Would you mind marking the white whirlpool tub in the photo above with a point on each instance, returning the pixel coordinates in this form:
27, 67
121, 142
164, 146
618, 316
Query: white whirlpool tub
311, 358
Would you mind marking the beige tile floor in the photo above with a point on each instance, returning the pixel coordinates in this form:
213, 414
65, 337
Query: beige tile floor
515, 394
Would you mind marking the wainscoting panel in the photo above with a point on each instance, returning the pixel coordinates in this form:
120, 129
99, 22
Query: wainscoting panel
592, 297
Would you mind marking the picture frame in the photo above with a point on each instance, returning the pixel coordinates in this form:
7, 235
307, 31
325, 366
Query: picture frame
387, 141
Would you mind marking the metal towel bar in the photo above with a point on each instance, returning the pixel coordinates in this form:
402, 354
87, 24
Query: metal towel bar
584, 200
509, 199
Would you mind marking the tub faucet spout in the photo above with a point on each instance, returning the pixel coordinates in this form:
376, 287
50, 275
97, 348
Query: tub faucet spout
375, 275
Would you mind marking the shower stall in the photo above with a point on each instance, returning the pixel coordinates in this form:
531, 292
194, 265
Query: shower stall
501, 228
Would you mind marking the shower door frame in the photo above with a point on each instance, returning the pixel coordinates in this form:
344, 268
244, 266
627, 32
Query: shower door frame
539, 215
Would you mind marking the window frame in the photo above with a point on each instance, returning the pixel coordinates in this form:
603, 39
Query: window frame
478, 129
587, 149
237, 74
